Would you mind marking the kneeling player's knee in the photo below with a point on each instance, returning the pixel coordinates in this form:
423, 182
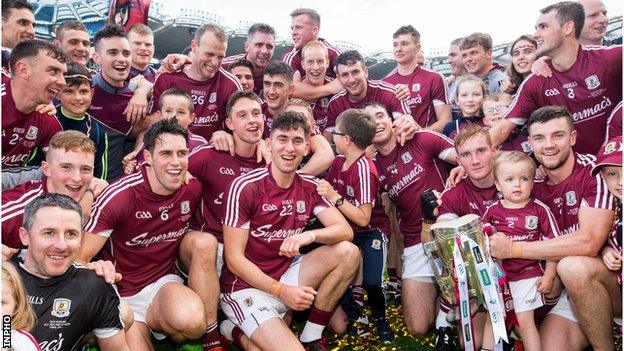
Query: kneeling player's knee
203, 246
348, 253
575, 273
189, 318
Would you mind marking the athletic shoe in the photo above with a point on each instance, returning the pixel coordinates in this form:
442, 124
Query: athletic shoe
362, 320
316, 345
357, 329
445, 340
386, 336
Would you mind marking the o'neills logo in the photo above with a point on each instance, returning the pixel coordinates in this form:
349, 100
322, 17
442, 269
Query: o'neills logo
592, 112
280, 234
143, 240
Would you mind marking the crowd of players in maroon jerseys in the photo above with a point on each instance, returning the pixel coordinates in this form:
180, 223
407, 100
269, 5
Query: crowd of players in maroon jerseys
222, 194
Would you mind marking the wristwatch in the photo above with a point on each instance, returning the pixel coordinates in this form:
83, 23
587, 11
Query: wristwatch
339, 202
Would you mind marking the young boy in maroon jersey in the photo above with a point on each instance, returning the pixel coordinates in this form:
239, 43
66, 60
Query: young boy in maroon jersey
352, 184
522, 218
264, 215
173, 103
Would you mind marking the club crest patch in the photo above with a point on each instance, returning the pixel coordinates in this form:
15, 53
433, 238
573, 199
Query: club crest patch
406, 157
300, 206
570, 198
530, 222
32, 133
592, 82
185, 207
60, 307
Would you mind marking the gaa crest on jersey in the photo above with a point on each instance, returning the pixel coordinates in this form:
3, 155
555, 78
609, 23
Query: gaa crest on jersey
526, 147
570, 198
60, 307
530, 222
592, 82
32, 133
350, 191
185, 207
213, 97
300, 206
416, 87
406, 157
324, 102
609, 148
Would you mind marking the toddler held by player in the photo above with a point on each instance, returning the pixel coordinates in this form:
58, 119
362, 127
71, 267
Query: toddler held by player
522, 218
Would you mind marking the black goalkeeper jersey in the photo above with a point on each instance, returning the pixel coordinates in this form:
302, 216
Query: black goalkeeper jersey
70, 306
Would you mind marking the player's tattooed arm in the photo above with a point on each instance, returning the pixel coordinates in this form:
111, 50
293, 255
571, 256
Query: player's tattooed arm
322, 156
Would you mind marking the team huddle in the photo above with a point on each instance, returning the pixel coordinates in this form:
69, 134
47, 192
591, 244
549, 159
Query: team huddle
215, 200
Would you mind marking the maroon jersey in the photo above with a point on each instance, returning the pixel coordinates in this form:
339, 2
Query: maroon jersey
466, 198
13, 203
194, 142
359, 185
292, 57
407, 172
319, 109
532, 222
257, 78
517, 142
590, 89
149, 74
215, 170
376, 91
580, 189
271, 214
144, 229
268, 120
23, 133
209, 98
614, 123
427, 91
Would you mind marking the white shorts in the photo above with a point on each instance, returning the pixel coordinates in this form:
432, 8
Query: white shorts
142, 300
220, 261
525, 295
416, 265
249, 308
564, 309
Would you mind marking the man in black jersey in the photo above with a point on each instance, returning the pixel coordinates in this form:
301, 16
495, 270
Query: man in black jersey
69, 300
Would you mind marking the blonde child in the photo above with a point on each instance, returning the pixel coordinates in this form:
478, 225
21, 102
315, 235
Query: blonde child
15, 304
469, 96
522, 218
